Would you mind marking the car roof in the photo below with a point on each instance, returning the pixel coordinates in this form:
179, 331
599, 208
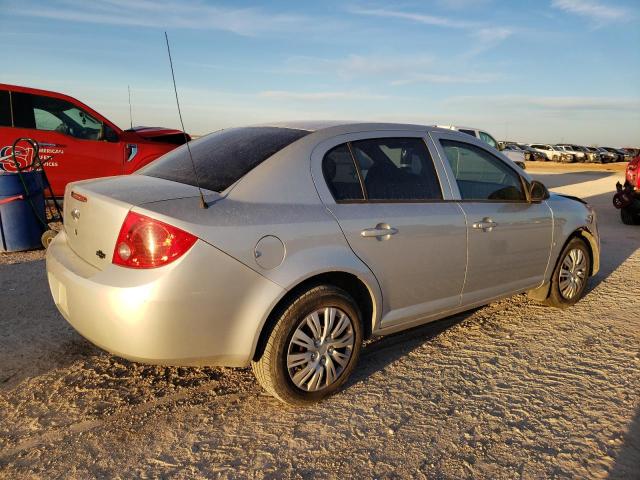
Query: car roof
319, 125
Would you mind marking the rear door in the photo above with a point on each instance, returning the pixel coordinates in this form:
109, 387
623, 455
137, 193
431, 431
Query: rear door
386, 195
509, 237
74, 145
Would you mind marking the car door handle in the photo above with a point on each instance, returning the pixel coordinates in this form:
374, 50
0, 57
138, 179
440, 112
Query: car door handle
381, 231
486, 225
133, 151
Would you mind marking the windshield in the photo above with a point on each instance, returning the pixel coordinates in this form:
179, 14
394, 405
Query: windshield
222, 158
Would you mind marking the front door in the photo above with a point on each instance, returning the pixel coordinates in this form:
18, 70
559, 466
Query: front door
509, 237
73, 144
390, 206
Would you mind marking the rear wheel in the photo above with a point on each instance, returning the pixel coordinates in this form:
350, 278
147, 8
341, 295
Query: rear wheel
569, 280
629, 216
312, 348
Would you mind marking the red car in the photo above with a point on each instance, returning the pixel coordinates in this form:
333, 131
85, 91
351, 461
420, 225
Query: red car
627, 198
76, 142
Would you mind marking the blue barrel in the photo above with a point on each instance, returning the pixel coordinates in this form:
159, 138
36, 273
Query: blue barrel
20, 228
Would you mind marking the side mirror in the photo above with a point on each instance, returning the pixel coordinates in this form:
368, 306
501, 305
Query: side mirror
538, 192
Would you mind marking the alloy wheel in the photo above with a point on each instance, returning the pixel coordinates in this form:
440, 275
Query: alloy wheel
320, 349
573, 273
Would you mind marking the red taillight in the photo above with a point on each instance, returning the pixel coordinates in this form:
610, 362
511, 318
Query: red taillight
147, 243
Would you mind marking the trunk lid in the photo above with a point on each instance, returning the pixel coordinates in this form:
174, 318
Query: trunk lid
160, 134
94, 211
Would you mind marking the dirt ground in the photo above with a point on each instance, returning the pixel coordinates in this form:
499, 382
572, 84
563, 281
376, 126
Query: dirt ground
510, 390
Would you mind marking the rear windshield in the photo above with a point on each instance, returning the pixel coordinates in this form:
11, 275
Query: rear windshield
222, 158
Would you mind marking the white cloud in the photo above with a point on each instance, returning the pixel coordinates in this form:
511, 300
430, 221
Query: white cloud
597, 12
356, 65
492, 36
462, 4
484, 36
318, 96
550, 103
190, 14
414, 17
466, 78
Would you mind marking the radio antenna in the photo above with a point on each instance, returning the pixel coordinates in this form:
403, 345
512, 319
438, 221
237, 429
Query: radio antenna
203, 204
130, 114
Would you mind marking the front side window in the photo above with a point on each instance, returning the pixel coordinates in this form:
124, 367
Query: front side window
480, 175
56, 115
396, 169
5, 109
488, 139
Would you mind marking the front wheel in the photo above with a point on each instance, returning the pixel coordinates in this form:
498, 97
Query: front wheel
312, 348
569, 280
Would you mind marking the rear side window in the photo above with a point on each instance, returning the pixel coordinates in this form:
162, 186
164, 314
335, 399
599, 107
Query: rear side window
397, 169
480, 175
340, 172
389, 169
223, 157
5, 109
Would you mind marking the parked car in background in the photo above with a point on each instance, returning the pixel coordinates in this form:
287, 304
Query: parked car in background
607, 156
620, 155
76, 142
599, 157
632, 152
512, 147
516, 156
579, 155
315, 238
532, 154
591, 156
553, 153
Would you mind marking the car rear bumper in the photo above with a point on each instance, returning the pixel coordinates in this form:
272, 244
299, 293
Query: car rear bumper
186, 313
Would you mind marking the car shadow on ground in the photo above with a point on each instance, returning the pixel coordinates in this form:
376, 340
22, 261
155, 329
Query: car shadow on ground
380, 352
556, 180
627, 464
618, 241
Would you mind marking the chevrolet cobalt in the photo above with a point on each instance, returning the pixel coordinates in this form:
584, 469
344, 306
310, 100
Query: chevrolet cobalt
315, 237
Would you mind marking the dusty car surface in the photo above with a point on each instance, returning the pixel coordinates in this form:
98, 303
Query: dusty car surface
316, 236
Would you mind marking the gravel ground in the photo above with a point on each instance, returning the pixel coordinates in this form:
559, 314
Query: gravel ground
510, 390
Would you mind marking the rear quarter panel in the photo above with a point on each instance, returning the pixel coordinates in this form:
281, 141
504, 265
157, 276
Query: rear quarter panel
277, 198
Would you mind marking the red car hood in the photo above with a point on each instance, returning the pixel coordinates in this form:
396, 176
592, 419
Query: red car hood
160, 134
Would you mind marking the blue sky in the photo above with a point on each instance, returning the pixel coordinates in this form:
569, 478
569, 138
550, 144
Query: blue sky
534, 71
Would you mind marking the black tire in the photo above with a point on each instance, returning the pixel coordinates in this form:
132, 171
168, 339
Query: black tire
270, 369
629, 216
556, 296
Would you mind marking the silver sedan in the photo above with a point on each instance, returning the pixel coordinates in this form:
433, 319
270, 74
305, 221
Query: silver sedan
315, 237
